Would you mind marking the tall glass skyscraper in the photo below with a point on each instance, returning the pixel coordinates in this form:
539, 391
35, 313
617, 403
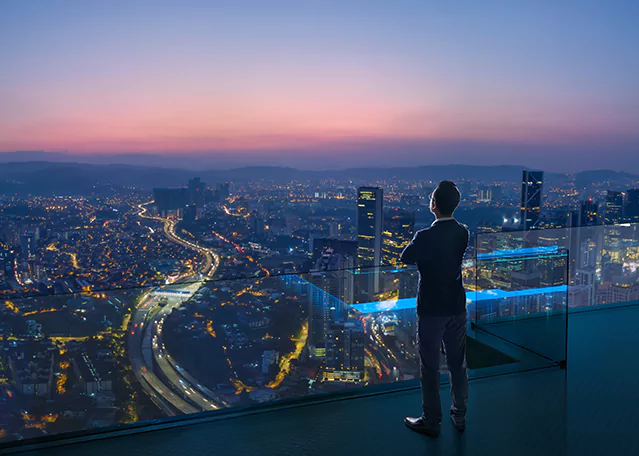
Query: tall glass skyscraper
370, 216
632, 205
589, 213
614, 207
399, 227
531, 187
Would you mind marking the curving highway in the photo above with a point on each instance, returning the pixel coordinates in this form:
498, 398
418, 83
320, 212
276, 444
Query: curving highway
178, 391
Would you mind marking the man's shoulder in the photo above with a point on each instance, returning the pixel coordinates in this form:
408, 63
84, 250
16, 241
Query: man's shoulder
463, 226
439, 229
424, 232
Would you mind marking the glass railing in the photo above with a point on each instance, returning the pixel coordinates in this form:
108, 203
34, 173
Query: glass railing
93, 359
518, 302
602, 261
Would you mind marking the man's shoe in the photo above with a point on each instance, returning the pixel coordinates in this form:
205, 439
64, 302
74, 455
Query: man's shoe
420, 425
458, 422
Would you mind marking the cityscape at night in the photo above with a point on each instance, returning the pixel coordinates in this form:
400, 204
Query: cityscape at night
131, 304
204, 207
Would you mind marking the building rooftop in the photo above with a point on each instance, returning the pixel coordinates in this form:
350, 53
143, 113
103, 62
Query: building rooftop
589, 409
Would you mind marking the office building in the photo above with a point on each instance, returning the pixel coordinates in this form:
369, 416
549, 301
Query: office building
190, 213
632, 205
370, 217
399, 227
345, 352
170, 200
485, 195
531, 191
613, 213
224, 190
197, 189
589, 213
28, 244
333, 287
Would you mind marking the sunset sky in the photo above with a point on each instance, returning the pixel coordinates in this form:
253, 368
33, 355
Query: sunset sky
300, 82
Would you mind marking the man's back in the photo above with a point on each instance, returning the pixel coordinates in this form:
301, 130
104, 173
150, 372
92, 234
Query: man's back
438, 252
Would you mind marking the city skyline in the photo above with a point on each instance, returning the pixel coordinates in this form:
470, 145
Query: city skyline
137, 303
326, 85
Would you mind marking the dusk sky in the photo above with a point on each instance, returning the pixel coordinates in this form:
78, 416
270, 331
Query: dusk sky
325, 84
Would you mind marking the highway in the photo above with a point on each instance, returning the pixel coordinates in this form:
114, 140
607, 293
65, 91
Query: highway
159, 392
211, 258
146, 349
184, 382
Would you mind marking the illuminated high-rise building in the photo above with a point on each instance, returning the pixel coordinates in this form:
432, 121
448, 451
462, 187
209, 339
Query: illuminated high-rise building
614, 207
589, 213
28, 244
370, 217
397, 233
170, 200
632, 205
345, 352
531, 188
333, 286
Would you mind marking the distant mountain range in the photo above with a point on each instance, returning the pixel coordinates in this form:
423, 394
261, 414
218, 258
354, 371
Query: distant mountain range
46, 177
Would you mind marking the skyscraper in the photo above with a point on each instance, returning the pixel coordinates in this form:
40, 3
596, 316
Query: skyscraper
589, 213
632, 205
190, 213
196, 192
5, 263
396, 235
345, 352
369, 232
333, 284
170, 199
224, 190
531, 187
28, 244
614, 207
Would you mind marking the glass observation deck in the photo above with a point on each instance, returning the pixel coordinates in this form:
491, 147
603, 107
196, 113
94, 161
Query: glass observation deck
86, 363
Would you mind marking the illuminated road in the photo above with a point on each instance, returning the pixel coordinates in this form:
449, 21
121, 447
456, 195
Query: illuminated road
211, 258
378, 351
147, 348
196, 393
161, 394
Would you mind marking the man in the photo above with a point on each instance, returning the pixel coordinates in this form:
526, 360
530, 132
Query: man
438, 252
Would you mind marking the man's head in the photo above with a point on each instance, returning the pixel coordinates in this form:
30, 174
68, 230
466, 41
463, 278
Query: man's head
445, 199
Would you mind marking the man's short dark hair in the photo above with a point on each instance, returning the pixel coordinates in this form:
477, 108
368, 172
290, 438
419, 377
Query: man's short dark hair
447, 197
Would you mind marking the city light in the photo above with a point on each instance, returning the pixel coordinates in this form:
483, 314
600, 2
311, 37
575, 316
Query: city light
201, 310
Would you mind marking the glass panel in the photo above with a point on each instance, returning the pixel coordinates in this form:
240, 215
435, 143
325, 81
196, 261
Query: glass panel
520, 293
89, 358
603, 260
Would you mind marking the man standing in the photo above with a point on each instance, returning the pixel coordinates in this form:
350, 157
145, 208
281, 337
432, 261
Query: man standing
438, 252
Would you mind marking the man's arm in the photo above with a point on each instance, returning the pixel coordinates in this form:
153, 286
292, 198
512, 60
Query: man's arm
413, 251
467, 239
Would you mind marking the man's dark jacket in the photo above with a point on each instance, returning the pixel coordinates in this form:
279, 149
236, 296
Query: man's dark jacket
438, 252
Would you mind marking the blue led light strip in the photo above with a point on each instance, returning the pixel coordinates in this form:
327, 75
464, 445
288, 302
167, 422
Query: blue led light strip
471, 297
